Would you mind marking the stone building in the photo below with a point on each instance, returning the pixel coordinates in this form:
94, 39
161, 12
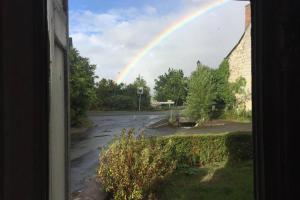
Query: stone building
239, 60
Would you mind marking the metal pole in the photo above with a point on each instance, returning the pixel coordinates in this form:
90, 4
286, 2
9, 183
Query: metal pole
171, 113
140, 102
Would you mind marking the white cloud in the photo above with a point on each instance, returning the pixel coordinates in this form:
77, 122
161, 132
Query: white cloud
112, 39
150, 10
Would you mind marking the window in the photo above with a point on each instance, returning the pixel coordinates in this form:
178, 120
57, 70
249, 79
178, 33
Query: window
25, 99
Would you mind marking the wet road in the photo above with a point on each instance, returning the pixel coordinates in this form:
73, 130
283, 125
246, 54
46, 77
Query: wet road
108, 125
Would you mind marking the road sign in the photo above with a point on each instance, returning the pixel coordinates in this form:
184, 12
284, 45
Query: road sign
140, 90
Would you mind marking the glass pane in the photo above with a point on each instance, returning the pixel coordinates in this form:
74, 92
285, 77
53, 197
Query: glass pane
177, 73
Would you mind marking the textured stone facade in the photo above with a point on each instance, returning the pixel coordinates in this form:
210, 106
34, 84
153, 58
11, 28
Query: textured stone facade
240, 66
247, 15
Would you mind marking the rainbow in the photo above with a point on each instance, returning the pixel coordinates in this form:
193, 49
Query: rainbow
166, 32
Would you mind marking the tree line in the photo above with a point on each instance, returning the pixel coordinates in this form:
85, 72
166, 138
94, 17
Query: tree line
206, 94
86, 93
113, 96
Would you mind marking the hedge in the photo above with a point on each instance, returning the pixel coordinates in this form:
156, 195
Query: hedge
133, 166
209, 148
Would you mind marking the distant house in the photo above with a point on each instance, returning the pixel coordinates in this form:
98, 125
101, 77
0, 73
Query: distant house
239, 60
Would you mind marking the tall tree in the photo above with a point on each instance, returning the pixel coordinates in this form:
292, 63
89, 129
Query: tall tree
210, 92
225, 98
171, 86
106, 88
202, 93
82, 86
113, 96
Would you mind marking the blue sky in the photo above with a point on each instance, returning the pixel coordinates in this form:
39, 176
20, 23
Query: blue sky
112, 32
163, 6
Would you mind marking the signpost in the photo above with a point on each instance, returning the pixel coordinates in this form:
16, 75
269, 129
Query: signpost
140, 91
171, 102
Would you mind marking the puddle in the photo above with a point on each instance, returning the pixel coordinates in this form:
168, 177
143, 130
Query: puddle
96, 136
187, 124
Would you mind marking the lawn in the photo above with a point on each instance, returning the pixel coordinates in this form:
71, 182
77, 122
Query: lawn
215, 182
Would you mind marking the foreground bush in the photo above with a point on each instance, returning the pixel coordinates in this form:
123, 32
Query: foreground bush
132, 165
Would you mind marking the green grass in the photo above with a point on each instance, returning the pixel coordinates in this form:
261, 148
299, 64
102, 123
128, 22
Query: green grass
238, 116
215, 182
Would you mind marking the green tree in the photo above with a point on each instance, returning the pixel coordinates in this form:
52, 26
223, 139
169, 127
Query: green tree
113, 96
171, 86
202, 93
82, 86
146, 97
227, 92
225, 97
211, 94
105, 89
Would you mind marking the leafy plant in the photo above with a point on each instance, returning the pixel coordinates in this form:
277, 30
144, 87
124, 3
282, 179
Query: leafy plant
211, 95
239, 115
82, 92
132, 166
114, 96
204, 149
202, 93
171, 86
225, 92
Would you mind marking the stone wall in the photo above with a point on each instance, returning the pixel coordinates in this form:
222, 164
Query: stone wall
247, 15
240, 66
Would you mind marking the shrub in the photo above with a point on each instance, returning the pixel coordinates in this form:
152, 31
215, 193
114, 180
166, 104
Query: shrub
132, 165
201, 94
211, 95
239, 115
200, 150
78, 121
